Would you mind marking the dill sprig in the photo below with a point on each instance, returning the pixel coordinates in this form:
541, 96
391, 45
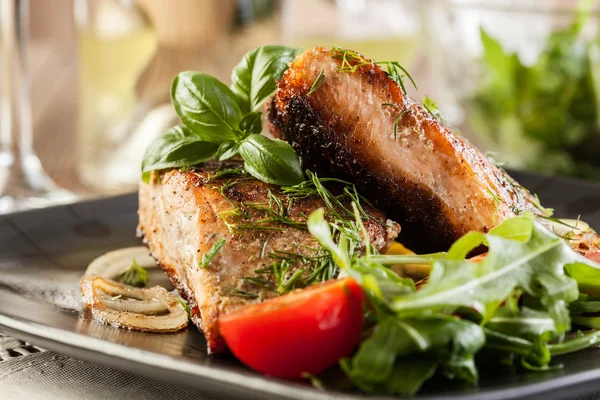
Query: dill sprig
185, 306
212, 253
292, 270
352, 61
317, 83
231, 291
432, 107
134, 275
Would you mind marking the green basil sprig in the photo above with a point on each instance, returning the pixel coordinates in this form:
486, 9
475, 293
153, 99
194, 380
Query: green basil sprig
271, 161
178, 147
253, 80
222, 122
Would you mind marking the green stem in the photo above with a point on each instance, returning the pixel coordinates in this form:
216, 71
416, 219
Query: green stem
512, 344
407, 259
581, 342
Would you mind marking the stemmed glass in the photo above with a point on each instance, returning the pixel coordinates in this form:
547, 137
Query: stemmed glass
23, 182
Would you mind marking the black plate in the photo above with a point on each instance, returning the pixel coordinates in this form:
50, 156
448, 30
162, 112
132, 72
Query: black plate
44, 252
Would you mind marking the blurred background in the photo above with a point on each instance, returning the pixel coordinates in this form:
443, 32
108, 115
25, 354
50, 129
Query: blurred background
519, 78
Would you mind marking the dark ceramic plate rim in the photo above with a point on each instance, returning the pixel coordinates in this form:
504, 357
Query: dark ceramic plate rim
182, 372
220, 381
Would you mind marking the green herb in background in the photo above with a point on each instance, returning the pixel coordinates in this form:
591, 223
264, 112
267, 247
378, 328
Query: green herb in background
222, 122
544, 117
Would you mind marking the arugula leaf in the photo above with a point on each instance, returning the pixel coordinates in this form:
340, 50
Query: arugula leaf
319, 228
535, 266
444, 338
527, 323
178, 147
271, 160
409, 374
587, 276
253, 80
206, 106
584, 305
520, 289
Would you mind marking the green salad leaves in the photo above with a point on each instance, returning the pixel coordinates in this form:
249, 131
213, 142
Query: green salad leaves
514, 304
221, 121
546, 116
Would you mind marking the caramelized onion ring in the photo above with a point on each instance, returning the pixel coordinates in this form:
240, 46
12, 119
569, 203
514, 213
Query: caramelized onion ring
114, 263
126, 314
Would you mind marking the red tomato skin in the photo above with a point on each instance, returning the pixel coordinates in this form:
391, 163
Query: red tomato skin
302, 332
595, 256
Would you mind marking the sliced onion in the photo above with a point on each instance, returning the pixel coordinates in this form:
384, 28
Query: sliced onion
114, 263
569, 225
133, 311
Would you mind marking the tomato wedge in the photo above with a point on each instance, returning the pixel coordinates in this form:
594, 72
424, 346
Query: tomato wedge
305, 331
595, 256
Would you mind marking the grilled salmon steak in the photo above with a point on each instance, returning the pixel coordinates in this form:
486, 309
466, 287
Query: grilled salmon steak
183, 216
347, 118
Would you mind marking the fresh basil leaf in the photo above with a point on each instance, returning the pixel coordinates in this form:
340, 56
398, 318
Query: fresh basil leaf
251, 123
178, 147
206, 106
227, 150
271, 160
253, 80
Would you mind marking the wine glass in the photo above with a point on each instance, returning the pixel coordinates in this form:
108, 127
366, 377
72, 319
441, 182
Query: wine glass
23, 182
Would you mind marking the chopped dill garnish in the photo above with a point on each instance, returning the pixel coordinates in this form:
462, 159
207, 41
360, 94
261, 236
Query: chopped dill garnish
210, 254
352, 61
547, 212
432, 107
494, 196
398, 118
259, 282
317, 83
568, 235
492, 157
292, 270
239, 293
134, 275
185, 306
